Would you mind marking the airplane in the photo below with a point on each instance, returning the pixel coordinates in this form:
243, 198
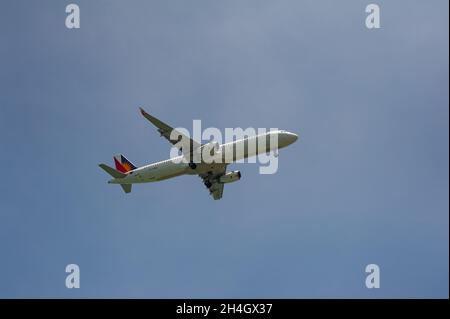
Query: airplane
214, 174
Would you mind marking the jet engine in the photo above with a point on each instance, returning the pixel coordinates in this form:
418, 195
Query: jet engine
230, 177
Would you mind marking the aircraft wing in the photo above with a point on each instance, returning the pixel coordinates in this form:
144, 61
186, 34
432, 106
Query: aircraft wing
212, 178
165, 130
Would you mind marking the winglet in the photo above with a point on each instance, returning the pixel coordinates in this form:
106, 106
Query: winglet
162, 127
151, 118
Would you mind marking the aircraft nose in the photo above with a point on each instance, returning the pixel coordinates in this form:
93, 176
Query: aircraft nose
287, 138
292, 137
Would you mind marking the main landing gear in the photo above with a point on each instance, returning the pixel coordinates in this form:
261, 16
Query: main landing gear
192, 165
208, 184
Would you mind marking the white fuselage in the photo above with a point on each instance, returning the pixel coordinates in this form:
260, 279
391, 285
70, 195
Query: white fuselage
229, 153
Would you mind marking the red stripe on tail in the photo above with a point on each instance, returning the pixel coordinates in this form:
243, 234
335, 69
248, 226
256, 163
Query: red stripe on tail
119, 166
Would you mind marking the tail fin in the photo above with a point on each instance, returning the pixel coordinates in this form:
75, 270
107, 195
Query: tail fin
123, 164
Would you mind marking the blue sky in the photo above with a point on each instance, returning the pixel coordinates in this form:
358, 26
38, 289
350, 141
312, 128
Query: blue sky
367, 182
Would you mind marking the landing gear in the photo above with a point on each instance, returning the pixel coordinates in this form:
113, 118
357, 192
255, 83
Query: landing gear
192, 165
208, 184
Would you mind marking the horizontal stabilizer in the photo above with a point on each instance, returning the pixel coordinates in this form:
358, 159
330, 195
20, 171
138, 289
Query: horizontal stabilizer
126, 187
111, 171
